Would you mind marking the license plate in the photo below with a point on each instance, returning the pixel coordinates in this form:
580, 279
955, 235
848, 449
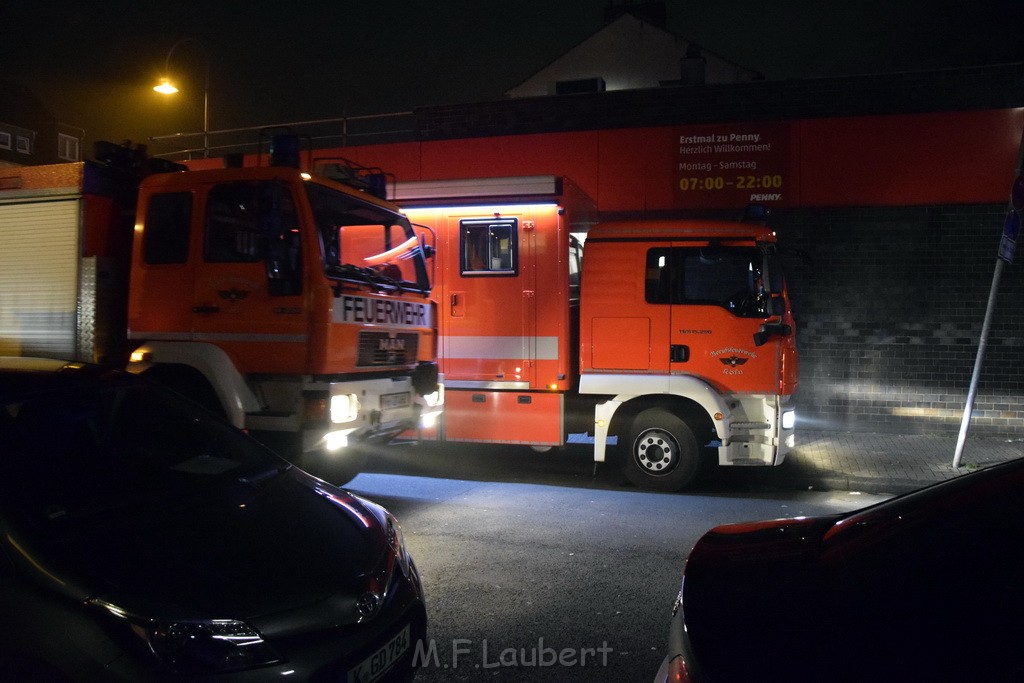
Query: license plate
392, 401
376, 665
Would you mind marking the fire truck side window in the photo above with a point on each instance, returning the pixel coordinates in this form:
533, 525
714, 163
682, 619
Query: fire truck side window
166, 232
232, 224
729, 277
575, 259
252, 222
489, 247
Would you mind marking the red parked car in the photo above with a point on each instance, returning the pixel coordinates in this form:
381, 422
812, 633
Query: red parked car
927, 586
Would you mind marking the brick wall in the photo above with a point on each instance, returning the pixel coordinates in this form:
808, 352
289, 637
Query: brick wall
889, 316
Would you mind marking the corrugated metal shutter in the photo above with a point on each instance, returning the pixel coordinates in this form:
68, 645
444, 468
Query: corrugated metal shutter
39, 278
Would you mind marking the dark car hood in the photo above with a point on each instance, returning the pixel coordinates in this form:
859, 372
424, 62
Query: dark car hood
242, 550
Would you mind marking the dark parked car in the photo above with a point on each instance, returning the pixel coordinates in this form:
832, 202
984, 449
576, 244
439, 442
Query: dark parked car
144, 538
928, 586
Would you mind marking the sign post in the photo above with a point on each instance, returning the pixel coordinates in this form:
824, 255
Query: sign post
1007, 248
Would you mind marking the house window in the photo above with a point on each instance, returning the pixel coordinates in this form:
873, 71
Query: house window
23, 144
5, 140
68, 147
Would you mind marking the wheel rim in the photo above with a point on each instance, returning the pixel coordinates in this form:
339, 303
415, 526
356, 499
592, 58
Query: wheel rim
656, 452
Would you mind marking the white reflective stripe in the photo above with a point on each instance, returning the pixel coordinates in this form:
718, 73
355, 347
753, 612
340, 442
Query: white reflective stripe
219, 336
245, 337
485, 386
497, 348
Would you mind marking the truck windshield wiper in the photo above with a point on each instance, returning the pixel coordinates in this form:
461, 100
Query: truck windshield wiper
347, 271
369, 276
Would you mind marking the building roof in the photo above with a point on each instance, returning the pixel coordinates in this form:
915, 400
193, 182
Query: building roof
629, 53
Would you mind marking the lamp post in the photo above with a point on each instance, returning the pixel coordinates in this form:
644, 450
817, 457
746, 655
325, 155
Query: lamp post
167, 88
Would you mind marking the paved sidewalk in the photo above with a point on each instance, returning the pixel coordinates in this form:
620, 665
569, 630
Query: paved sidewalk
888, 463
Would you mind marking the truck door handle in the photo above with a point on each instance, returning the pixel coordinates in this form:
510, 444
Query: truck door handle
206, 309
679, 353
457, 302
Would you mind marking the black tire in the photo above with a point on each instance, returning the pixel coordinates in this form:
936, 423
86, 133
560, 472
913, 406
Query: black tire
663, 452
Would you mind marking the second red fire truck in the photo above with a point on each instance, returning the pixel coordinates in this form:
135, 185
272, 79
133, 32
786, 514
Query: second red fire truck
672, 340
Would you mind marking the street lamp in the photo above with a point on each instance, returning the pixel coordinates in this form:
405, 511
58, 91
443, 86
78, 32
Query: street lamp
167, 88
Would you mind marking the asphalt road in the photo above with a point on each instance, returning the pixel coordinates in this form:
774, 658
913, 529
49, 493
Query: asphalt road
536, 570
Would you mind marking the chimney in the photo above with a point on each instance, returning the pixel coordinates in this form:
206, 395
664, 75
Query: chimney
693, 66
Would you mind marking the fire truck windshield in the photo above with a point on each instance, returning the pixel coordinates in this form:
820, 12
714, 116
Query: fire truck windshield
366, 243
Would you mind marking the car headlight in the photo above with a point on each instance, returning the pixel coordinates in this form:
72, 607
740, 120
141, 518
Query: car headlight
199, 647
392, 533
215, 646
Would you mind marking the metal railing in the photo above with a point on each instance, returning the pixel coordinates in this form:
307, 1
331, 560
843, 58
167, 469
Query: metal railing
319, 133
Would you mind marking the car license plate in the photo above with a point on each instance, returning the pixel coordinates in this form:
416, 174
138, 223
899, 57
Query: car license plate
392, 401
376, 665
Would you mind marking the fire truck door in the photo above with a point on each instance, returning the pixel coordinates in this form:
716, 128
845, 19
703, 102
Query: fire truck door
489, 300
717, 307
248, 286
163, 269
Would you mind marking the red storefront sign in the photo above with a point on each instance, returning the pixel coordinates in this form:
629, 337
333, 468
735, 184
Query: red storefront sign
732, 165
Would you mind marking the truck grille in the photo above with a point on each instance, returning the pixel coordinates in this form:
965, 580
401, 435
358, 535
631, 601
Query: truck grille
381, 348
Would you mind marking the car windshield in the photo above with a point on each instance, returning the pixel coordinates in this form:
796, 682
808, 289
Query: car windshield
88, 450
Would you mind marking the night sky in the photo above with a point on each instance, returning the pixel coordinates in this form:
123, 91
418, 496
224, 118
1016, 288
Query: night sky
93, 64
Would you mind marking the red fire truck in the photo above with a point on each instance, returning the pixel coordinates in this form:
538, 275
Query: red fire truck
673, 340
295, 304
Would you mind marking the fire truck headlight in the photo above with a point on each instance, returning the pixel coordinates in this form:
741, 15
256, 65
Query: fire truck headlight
436, 398
789, 419
429, 418
344, 408
141, 356
335, 441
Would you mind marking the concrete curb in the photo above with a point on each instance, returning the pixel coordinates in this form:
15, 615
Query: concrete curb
887, 463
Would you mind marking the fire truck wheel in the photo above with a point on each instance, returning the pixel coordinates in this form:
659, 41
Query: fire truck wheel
664, 455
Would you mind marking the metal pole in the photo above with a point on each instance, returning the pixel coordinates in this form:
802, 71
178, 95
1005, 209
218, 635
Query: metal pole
206, 108
206, 88
972, 392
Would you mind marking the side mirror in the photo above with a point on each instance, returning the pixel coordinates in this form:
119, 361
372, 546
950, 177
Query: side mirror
427, 249
769, 330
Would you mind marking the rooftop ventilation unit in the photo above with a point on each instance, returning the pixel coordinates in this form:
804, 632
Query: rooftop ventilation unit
581, 85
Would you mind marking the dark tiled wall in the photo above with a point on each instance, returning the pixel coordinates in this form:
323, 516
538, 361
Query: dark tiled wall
890, 304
